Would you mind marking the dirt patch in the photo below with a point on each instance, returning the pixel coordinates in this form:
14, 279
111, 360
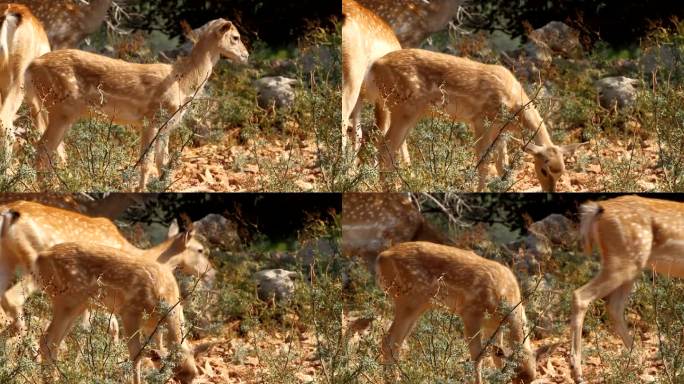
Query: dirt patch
268, 163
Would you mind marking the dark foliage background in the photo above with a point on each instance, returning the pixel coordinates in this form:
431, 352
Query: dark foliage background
617, 22
278, 216
517, 210
276, 22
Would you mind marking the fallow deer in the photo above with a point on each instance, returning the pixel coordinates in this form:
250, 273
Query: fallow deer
414, 20
141, 291
68, 22
365, 38
373, 222
22, 39
405, 84
36, 227
62, 85
419, 276
631, 233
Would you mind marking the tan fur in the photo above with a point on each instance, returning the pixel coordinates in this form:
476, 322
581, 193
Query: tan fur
63, 85
68, 22
631, 233
365, 38
40, 227
414, 20
419, 276
405, 84
22, 39
141, 291
373, 222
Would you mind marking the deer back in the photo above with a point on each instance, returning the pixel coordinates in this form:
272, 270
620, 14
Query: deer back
38, 227
447, 276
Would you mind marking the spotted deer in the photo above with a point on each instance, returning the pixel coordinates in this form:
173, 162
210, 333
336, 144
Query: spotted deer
22, 39
141, 291
419, 276
29, 228
365, 38
631, 233
68, 22
63, 85
373, 222
414, 20
405, 84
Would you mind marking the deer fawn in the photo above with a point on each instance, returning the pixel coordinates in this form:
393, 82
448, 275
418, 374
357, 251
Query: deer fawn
373, 222
419, 276
365, 38
632, 233
62, 85
29, 228
404, 84
141, 291
68, 22
22, 39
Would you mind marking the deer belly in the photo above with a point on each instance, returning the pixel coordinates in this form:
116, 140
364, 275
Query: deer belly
668, 259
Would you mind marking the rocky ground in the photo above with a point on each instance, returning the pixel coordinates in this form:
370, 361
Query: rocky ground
260, 357
266, 164
644, 362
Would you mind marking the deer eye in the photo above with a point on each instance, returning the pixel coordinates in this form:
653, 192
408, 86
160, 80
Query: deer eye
235, 38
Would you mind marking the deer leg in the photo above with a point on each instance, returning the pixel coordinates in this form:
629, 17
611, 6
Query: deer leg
603, 284
52, 138
13, 301
616, 309
472, 324
131, 326
63, 319
148, 132
501, 156
161, 152
355, 124
351, 90
494, 336
406, 314
7, 268
400, 125
481, 147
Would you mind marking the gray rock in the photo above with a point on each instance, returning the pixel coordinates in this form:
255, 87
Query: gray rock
311, 249
275, 91
662, 58
275, 284
317, 57
617, 92
218, 230
557, 38
546, 234
557, 228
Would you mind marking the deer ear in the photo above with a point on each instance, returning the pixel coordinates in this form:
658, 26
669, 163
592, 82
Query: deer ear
179, 243
533, 149
569, 149
226, 27
173, 229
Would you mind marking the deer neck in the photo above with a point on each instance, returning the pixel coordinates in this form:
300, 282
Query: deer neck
194, 70
542, 137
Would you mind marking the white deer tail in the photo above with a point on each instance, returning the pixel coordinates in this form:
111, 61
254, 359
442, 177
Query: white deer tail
7, 218
7, 29
590, 212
